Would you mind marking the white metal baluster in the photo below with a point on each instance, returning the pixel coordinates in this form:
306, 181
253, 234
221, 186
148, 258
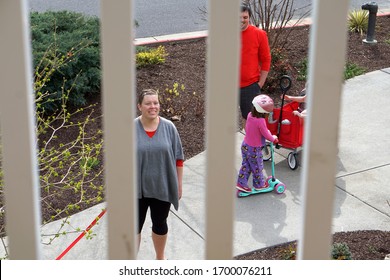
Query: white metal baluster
326, 62
119, 112
21, 186
222, 101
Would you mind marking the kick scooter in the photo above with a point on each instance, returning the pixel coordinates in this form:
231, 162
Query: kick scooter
272, 184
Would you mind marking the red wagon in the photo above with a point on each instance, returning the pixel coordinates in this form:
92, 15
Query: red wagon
287, 126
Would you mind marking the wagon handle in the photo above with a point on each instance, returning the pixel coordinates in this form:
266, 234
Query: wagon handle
285, 85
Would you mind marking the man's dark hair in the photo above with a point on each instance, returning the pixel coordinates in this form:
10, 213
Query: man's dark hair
246, 8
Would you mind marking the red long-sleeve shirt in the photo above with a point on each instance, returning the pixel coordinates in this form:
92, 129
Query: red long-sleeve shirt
255, 55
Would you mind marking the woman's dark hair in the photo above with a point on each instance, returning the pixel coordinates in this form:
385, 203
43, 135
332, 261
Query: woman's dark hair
246, 8
257, 114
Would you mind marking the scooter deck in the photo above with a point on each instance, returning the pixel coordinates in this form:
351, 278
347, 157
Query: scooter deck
254, 191
273, 185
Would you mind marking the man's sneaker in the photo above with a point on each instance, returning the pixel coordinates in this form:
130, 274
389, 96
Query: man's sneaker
244, 189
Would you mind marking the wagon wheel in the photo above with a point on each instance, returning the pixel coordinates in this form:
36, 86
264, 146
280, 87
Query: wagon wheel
266, 150
292, 161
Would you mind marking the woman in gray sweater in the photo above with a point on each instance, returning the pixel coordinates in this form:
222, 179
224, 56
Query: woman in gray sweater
160, 168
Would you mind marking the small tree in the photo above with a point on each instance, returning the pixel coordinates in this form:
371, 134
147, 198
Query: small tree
67, 165
274, 16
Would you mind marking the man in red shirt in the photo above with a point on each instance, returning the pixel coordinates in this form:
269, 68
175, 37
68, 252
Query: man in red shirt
255, 61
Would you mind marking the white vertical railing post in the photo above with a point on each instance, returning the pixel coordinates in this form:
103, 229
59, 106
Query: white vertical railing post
21, 186
119, 112
326, 66
222, 101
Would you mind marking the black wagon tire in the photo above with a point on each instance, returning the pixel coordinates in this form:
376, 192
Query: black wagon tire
266, 152
292, 161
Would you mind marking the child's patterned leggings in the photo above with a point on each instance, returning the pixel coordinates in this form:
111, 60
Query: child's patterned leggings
252, 162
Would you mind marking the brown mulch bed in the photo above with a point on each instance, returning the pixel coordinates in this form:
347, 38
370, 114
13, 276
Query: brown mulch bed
362, 244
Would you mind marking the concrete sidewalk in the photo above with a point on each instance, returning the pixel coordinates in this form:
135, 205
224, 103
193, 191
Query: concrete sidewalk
362, 189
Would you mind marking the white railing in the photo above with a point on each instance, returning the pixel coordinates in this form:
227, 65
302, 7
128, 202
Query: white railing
21, 187
327, 56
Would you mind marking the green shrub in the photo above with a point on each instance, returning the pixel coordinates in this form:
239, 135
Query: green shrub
302, 70
340, 251
290, 253
148, 56
71, 40
358, 21
351, 70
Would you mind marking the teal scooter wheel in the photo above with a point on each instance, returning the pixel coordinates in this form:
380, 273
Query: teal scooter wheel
280, 188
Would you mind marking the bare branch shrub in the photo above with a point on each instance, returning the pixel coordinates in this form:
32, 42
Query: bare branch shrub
274, 16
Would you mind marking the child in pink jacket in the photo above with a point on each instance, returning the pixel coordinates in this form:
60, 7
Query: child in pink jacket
256, 132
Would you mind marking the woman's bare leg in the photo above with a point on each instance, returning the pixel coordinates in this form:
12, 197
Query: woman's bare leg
159, 242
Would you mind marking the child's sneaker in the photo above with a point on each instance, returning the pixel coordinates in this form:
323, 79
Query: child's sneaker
244, 189
260, 188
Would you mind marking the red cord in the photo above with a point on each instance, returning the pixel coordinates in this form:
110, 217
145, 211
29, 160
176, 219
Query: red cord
81, 235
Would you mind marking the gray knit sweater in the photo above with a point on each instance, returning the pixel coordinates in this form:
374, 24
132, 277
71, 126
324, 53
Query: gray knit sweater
156, 158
